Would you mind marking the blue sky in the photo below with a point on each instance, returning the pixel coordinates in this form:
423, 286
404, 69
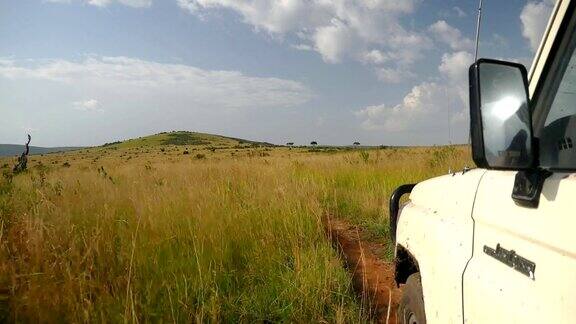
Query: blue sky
85, 72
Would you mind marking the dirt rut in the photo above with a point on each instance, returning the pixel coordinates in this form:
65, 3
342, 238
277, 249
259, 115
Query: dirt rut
373, 277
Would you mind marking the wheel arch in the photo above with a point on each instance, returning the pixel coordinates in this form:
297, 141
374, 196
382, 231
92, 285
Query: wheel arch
405, 264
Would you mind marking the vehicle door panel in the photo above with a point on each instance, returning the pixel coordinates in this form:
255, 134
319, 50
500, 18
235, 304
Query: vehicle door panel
493, 291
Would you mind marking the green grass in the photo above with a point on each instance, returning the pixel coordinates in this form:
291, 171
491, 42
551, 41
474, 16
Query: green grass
139, 234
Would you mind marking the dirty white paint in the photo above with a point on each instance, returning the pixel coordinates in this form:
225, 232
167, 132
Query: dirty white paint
436, 227
543, 235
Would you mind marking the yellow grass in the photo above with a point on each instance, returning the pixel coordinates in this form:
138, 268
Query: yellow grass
139, 234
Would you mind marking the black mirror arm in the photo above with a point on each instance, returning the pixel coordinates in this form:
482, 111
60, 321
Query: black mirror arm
528, 186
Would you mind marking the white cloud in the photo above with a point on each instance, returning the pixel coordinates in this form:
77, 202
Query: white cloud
459, 12
105, 3
189, 5
454, 67
58, 1
271, 16
6, 61
416, 109
375, 57
429, 105
452, 36
302, 47
453, 12
454, 70
534, 18
136, 3
136, 80
87, 105
99, 3
334, 41
368, 31
394, 75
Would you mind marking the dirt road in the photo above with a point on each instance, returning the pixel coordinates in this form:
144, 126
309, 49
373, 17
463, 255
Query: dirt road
373, 278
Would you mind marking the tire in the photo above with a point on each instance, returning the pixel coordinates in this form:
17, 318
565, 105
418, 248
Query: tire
411, 307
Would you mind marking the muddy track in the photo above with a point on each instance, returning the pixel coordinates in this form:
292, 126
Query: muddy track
373, 278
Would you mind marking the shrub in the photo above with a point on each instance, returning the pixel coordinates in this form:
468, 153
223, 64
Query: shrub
185, 138
112, 143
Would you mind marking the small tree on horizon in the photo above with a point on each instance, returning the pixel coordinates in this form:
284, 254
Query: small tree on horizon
356, 143
290, 144
23, 159
313, 143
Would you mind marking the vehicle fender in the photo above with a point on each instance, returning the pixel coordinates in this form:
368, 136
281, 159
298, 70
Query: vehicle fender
435, 229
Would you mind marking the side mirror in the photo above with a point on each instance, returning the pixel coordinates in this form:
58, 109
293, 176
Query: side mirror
500, 118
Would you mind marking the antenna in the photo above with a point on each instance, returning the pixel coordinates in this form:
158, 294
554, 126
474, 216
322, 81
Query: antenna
478, 29
449, 125
478, 22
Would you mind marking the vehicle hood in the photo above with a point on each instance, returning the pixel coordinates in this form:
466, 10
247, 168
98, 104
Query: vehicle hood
449, 193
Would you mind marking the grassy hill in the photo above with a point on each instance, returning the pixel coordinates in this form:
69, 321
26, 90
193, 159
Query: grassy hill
177, 138
15, 149
186, 139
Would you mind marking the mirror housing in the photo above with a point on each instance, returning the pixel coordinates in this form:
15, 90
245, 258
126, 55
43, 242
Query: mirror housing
500, 116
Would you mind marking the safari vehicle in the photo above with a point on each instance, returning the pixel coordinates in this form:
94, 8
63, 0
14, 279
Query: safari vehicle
497, 244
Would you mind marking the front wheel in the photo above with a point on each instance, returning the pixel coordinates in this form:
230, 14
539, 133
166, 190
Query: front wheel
411, 307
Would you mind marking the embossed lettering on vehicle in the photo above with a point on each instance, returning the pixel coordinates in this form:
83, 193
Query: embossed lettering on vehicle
513, 260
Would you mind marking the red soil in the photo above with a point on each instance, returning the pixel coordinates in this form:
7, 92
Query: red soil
373, 278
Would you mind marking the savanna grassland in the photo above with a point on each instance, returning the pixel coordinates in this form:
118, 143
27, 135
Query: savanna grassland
188, 227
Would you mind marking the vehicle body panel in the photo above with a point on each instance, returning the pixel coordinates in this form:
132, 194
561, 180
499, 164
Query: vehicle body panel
436, 228
543, 235
493, 290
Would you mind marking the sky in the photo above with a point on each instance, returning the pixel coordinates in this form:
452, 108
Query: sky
380, 72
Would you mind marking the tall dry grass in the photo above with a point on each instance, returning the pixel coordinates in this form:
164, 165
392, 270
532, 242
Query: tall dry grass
174, 238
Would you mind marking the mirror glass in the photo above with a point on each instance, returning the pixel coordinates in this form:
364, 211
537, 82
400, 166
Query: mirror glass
506, 121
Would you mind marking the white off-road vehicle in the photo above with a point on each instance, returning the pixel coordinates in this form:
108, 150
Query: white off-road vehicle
497, 244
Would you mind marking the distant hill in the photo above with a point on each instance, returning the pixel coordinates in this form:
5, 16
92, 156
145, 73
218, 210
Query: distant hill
187, 139
165, 138
15, 149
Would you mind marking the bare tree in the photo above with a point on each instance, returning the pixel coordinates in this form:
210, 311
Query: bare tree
23, 159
